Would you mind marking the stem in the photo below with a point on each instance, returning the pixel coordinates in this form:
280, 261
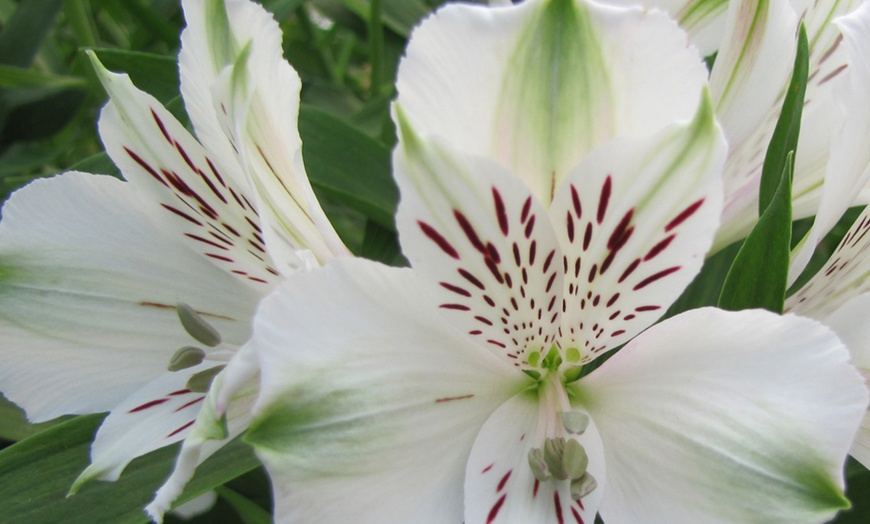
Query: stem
81, 21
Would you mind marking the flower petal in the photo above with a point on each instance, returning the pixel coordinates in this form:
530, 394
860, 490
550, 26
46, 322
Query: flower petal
225, 414
478, 232
499, 484
716, 416
85, 301
189, 193
246, 98
547, 82
368, 411
635, 220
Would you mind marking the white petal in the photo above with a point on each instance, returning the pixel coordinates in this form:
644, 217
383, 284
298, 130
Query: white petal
236, 80
499, 484
154, 416
716, 416
546, 82
369, 402
189, 192
225, 414
476, 230
89, 289
704, 20
635, 220
848, 167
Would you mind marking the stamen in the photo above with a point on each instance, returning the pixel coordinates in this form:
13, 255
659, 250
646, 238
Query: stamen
201, 382
574, 460
575, 422
583, 486
553, 451
538, 465
186, 357
196, 326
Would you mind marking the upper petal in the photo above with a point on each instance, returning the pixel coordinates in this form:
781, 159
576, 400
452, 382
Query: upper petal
538, 85
85, 301
369, 401
716, 416
634, 221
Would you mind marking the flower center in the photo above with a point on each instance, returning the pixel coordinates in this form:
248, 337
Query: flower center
561, 457
189, 356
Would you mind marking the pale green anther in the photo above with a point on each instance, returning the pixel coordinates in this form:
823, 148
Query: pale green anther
574, 460
575, 422
186, 357
197, 327
553, 359
572, 355
534, 358
538, 465
201, 382
553, 449
583, 486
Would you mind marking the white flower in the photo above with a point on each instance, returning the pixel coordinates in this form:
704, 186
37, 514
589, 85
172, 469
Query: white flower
559, 167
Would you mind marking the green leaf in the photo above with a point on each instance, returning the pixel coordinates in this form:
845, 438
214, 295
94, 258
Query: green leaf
857, 487
155, 74
14, 425
399, 15
382, 244
785, 135
25, 31
348, 166
12, 77
758, 277
250, 512
36, 474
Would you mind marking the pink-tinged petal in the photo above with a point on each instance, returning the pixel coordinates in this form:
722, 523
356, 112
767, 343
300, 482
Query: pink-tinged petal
187, 189
225, 413
156, 415
499, 484
848, 160
844, 276
478, 233
715, 416
850, 324
548, 81
89, 289
378, 392
246, 98
635, 221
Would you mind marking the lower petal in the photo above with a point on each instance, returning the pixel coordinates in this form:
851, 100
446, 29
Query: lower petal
716, 416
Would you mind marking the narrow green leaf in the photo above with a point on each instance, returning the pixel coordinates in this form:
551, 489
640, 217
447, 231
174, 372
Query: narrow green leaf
785, 135
758, 277
12, 77
14, 425
250, 512
348, 166
36, 474
399, 15
25, 31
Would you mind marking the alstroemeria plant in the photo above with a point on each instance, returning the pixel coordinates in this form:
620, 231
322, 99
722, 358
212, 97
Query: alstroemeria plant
130, 297
560, 174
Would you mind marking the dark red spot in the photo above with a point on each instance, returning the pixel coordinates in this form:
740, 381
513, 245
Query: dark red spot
587, 236
575, 200
656, 276
148, 405
192, 402
456, 289
211, 186
450, 399
471, 278
658, 248
503, 481
493, 512
592, 272
457, 307
629, 270
179, 392
231, 229
533, 248
489, 301
550, 282
500, 211
490, 264
182, 214
493, 253
641, 309
613, 300
558, 504
517, 260
621, 233
179, 430
144, 165
527, 206
535, 488
214, 171
184, 156
604, 199
219, 257
497, 343
439, 240
569, 223
206, 241
547, 261
484, 320
488, 468
161, 126
530, 226
577, 517
469, 231
684, 214
617, 332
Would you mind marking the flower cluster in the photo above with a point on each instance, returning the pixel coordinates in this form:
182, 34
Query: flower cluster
565, 169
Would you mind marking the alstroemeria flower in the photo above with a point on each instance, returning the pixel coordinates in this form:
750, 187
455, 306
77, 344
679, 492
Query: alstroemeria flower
130, 297
559, 170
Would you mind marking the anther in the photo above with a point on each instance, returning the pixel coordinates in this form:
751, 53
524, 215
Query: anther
574, 460
538, 465
553, 449
575, 422
583, 486
196, 326
186, 357
201, 382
